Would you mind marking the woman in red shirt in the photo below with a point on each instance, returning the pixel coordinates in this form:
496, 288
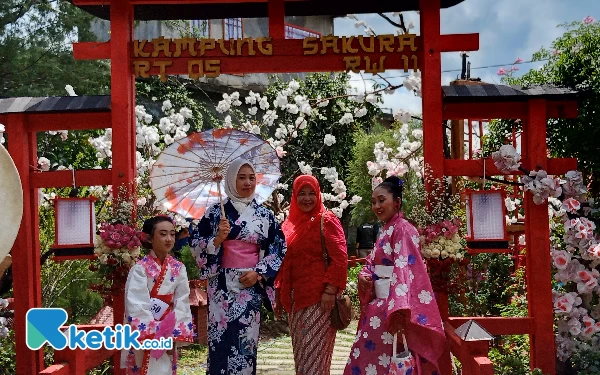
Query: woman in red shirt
304, 288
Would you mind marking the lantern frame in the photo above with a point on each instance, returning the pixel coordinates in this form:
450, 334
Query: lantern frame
83, 250
487, 245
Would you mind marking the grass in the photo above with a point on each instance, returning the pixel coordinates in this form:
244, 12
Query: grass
192, 360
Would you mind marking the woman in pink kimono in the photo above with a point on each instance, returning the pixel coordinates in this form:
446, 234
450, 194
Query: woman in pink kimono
395, 295
157, 301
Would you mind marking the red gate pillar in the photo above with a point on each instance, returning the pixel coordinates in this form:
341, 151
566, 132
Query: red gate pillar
25, 252
123, 120
276, 19
433, 131
537, 231
431, 87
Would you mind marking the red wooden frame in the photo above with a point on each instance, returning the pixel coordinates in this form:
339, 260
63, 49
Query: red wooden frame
288, 58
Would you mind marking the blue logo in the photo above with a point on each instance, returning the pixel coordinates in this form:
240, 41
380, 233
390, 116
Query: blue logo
44, 326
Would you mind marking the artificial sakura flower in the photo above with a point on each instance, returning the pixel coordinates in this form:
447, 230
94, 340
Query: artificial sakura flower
280, 152
373, 168
571, 205
561, 259
346, 119
329, 140
589, 19
574, 186
305, 168
507, 159
566, 302
402, 116
44, 164
541, 186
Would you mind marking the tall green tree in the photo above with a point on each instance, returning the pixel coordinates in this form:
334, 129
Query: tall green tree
573, 62
36, 57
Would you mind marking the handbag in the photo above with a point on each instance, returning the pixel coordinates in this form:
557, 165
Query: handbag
402, 363
341, 314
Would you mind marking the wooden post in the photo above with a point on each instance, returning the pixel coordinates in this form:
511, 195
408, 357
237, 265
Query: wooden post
26, 250
433, 131
123, 120
277, 19
537, 232
431, 87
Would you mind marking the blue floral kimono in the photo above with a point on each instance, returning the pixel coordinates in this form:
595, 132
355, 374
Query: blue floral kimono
234, 311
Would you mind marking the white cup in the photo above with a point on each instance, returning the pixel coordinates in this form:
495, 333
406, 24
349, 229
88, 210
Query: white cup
384, 272
382, 288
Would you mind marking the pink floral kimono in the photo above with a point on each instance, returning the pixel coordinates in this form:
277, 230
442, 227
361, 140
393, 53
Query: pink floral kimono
153, 291
396, 261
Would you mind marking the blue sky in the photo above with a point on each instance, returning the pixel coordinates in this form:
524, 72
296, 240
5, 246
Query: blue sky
507, 29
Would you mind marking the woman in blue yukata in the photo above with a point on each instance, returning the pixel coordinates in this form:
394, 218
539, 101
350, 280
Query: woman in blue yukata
240, 255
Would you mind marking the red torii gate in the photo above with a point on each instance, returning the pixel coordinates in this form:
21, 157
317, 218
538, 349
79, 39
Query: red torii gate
534, 107
129, 58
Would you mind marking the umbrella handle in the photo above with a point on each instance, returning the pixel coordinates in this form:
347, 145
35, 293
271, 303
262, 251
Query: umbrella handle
221, 199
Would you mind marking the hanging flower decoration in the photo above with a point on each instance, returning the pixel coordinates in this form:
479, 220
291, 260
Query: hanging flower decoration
441, 233
117, 247
541, 186
506, 159
442, 240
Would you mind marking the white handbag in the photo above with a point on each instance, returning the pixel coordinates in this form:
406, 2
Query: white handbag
402, 363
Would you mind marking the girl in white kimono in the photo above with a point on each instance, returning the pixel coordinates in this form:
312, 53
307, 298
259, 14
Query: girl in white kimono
157, 293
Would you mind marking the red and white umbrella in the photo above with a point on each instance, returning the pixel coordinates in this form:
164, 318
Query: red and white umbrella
187, 176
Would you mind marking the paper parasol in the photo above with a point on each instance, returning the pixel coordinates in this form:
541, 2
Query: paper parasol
188, 176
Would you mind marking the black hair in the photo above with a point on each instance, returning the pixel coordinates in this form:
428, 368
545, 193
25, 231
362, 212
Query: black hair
148, 229
394, 186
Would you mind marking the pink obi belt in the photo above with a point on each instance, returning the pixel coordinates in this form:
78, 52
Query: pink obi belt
239, 254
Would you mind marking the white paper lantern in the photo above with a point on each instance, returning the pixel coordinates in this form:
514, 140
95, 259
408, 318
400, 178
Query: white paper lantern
486, 223
75, 222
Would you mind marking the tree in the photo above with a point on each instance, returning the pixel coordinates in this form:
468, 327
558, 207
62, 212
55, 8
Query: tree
35, 49
310, 145
573, 62
360, 180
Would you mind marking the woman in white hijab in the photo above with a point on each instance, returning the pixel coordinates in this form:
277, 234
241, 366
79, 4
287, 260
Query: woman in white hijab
240, 255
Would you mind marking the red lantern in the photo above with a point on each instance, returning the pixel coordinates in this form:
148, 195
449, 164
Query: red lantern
486, 221
74, 228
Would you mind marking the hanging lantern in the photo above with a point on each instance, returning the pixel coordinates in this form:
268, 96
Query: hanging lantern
486, 221
75, 227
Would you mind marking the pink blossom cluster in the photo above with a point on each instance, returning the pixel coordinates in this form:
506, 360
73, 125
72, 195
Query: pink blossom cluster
506, 159
576, 259
541, 186
119, 236
446, 228
507, 71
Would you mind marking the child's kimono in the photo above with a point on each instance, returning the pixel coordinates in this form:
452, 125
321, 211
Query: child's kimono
152, 292
255, 242
397, 269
